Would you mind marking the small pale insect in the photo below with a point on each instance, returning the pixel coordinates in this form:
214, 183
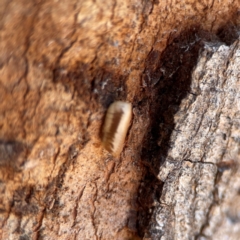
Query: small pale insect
115, 128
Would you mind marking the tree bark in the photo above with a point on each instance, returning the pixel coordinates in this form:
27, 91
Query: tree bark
63, 63
200, 195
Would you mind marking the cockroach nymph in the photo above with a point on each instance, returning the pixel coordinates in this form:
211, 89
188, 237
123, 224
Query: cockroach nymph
115, 128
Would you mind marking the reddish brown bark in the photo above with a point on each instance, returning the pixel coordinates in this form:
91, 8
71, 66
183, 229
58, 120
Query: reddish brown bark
61, 65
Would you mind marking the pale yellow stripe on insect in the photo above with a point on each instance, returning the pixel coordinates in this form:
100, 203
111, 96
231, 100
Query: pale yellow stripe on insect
116, 125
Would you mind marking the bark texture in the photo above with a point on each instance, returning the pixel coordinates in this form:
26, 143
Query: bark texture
200, 196
62, 63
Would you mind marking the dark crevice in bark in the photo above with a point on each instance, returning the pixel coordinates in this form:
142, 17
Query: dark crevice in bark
12, 154
230, 31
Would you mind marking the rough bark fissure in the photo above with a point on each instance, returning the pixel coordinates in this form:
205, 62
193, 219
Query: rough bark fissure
214, 202
27, 46
75, 211
94, 211
39, 225
65, 50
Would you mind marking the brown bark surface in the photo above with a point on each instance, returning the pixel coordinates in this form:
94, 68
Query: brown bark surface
62, 63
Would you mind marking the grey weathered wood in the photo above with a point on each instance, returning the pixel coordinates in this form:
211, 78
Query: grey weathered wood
200, 174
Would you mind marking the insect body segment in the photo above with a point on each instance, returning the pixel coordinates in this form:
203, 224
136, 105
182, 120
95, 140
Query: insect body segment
116, 126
